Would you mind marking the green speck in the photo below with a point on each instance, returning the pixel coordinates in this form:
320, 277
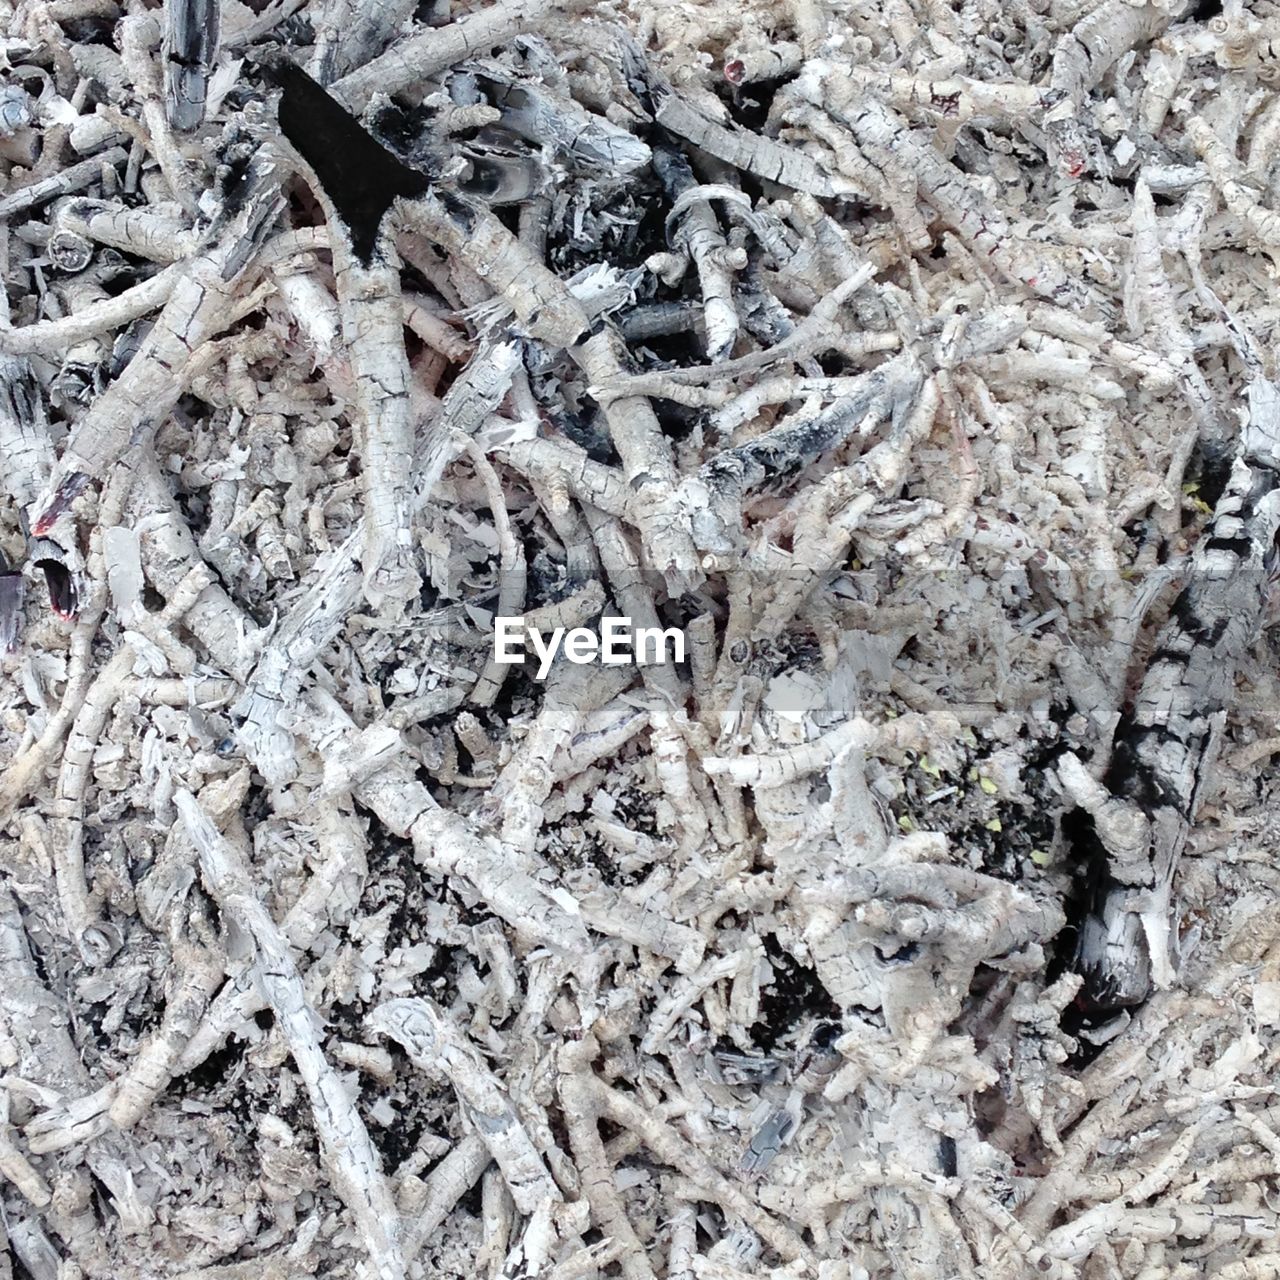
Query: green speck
1197, 504
993, 825
988, 785
927, 766
905, 824
1040, 858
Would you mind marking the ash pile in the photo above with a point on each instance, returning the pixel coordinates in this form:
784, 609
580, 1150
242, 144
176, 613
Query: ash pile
911, 366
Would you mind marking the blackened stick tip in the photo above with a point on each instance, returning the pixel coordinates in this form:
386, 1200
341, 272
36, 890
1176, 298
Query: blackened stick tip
359, 175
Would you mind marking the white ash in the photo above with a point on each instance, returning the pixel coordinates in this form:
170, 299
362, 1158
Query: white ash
916, 360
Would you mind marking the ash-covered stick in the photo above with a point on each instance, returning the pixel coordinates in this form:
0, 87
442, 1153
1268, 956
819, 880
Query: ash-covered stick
11, 597
421, 56
1081, 60
634, 595
1165, 748
139, 34
40, 1050
332, 590
74, 178
196, 976
781, 454
446, 845
876, 128
511, 570
345, 1144
130, 411
358, 181
48, 337
96, 939
326, 901
543, 304
953, 98
169, 554
753, 153
552, 461
582, 1117
694, 229
476, 394
25, 445
820, 331
437, 1046
14, 1165
913, 731
671, 1148
159, 234
333, 587
448, 1182
527, 780
649, 466
189, 54
349, 34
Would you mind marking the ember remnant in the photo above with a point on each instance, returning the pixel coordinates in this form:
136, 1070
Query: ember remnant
898, 380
